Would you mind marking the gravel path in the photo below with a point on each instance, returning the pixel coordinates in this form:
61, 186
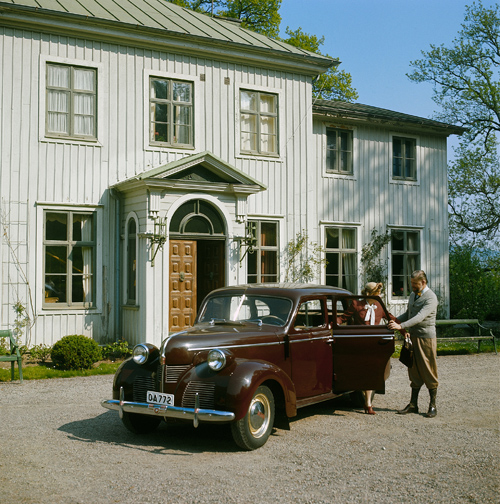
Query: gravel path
58, 445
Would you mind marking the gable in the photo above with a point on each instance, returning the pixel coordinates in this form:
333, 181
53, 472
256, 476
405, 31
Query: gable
203, 171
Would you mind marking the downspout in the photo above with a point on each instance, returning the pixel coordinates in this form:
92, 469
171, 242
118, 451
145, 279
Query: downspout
116, 196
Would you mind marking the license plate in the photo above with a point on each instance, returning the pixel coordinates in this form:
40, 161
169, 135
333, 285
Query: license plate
159, 398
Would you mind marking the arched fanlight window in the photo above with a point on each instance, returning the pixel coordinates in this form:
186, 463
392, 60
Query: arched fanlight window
197, 217
131, 261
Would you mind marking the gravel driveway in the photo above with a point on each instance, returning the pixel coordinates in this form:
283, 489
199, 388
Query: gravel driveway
58, 445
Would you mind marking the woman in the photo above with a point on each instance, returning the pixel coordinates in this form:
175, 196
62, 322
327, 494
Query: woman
366, 312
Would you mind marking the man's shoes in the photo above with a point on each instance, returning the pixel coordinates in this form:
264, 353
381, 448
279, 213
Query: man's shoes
432, 412
409, 409
432, 405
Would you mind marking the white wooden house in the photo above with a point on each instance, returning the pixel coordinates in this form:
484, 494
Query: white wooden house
141, 144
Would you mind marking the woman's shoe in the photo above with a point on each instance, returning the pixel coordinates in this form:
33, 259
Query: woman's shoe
369, 410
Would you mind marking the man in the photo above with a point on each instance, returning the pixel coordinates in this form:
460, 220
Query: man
420, 320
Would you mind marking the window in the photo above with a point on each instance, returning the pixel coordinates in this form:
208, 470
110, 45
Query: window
171, 112
259, 123
311, 314
405, 247
131, 262
339, 151
262, 261
69, 258
341, 256
71, 102
404, 158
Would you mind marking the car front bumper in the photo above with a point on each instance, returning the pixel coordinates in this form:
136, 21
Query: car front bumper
195, 414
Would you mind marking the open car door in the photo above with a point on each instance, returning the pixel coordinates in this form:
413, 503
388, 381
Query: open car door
361, 353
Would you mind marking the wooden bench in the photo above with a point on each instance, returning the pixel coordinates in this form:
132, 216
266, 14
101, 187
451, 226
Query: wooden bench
481, 333
14, 355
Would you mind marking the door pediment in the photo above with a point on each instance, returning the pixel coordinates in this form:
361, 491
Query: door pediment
202, 171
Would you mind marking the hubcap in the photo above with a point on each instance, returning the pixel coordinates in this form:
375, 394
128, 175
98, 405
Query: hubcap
258, 418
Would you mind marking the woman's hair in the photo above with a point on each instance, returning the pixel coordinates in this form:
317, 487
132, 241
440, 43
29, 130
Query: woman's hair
371, 287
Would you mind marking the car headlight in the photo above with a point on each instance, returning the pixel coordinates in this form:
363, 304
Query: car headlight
216, 359
140, 354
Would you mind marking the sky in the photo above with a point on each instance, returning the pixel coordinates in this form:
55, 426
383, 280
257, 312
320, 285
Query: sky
377, 39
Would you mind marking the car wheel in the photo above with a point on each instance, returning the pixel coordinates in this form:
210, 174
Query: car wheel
253, 430
140, 424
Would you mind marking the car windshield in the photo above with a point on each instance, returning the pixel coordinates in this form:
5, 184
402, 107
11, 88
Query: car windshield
243, 308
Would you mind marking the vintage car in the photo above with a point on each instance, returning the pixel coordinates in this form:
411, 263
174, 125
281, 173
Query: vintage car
255, 355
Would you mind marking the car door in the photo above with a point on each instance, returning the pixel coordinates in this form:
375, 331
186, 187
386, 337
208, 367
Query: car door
361, 353
310, 351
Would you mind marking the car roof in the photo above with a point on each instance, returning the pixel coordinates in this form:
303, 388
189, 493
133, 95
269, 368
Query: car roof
291, 290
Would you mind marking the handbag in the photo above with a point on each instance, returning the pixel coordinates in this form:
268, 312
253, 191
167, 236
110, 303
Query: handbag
406, 355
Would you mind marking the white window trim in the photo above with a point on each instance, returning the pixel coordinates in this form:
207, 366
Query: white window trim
398, 300
101, 85
197, 122
281, 142
40, 209
355, 147
131, 215
335, 224
418, 168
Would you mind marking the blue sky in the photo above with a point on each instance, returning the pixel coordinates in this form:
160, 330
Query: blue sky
376, 39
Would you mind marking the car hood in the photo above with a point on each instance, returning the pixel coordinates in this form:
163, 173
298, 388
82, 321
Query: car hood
181, 347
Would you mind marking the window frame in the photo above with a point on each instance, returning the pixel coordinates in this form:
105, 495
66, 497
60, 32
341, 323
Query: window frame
258, 248
131, 301
73, 92
407, 269
338, 152
258, 114
170, 103
403, 177
71, 245
49, 308
342, 251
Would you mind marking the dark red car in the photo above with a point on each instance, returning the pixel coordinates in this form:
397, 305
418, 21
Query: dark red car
256, 354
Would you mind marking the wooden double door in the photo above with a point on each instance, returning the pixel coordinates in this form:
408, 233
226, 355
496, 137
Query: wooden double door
196, 268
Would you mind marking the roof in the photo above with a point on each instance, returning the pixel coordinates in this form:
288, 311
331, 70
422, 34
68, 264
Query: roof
158, 18
285, 289
357, 111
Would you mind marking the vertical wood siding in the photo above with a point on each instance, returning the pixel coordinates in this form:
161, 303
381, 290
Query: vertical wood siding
37, 170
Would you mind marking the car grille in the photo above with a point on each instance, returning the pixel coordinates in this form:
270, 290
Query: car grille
173, 373
141, 385
205, 391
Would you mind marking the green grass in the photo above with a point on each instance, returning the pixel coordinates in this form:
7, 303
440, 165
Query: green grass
450, 348
42, 372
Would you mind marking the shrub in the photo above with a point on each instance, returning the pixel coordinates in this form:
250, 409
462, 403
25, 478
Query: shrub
117, 350
40, 352
75, 352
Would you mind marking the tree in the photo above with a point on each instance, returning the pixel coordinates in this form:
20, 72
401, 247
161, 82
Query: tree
258, 15
334, 84
474, 192
466, 77
466, 80
474, 283
262, 16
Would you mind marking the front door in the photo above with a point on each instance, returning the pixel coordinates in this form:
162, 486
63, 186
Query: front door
182, 284
210, 267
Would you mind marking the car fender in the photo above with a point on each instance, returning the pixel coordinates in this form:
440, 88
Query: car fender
247, 376
127, 373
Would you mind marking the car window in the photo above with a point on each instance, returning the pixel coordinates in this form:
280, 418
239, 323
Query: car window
311, 314
241, 308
